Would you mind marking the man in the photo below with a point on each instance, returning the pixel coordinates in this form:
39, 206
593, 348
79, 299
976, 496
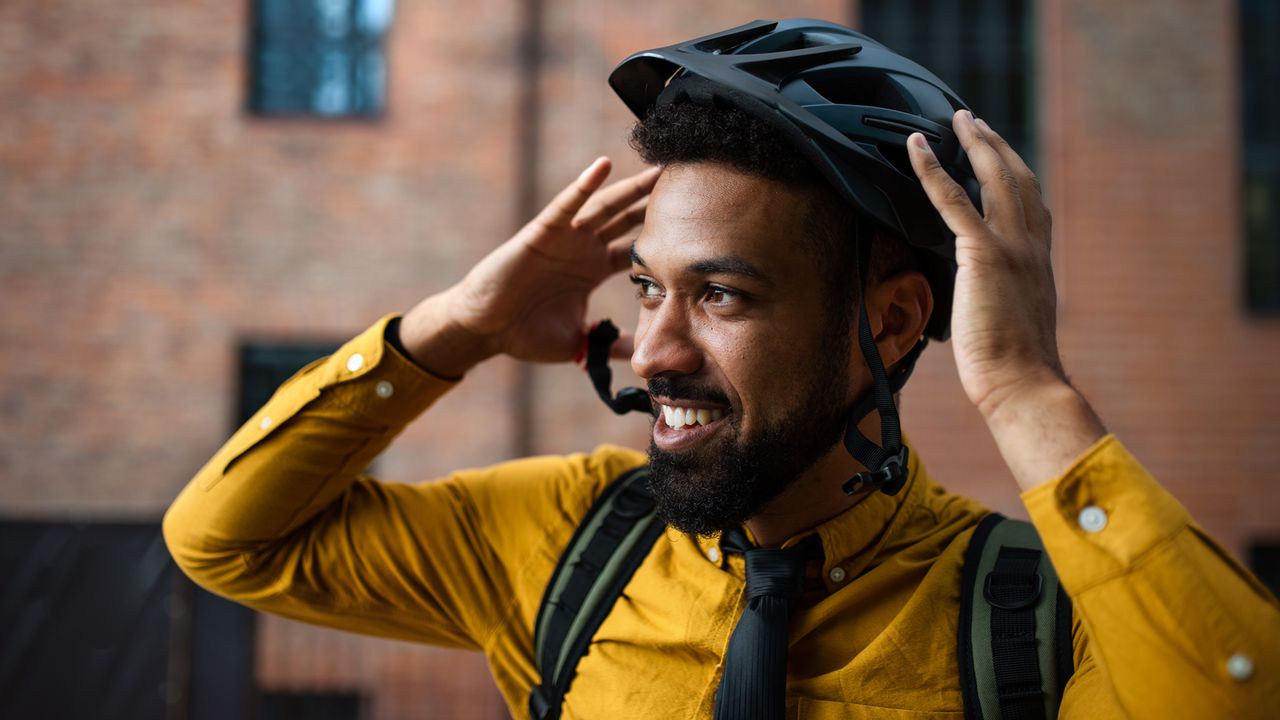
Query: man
752, 298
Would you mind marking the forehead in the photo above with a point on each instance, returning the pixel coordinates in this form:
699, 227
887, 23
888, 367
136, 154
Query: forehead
706, 209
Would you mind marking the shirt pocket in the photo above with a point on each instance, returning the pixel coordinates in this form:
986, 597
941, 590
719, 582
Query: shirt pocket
809, 709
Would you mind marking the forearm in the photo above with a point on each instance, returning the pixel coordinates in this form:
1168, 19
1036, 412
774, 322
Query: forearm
433, 338
1041, 429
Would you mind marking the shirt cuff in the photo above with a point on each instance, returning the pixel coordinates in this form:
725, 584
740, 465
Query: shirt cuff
1102, 515
369, 376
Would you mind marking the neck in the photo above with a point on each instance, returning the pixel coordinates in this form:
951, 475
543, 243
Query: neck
814, 497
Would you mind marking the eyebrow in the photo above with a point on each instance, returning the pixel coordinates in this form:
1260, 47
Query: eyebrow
723, 265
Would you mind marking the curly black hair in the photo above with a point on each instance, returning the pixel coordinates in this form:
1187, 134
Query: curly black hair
686, 132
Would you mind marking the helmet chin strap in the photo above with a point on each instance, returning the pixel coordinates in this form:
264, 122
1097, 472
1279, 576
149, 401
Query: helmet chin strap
886, 463
599, 340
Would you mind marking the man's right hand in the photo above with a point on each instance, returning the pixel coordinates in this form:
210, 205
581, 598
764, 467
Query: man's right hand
528, 298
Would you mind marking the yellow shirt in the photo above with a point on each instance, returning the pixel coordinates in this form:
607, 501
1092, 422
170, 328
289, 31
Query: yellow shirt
281, 520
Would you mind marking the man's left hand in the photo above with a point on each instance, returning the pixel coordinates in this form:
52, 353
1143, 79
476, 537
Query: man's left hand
1004, 314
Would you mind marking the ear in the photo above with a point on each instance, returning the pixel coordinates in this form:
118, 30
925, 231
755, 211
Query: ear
899, 308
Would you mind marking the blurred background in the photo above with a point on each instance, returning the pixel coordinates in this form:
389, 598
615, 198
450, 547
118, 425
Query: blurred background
197, 198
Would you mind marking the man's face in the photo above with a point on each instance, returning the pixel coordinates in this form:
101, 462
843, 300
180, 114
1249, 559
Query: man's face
736, 340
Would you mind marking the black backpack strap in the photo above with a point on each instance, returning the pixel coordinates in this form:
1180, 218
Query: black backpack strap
609, 544
1015, 625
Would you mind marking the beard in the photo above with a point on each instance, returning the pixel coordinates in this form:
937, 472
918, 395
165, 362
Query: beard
722, 483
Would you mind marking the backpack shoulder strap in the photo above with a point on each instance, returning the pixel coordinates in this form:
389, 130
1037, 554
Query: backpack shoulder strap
609, 544
1015, 625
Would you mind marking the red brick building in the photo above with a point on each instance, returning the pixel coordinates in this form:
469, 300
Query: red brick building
152, 224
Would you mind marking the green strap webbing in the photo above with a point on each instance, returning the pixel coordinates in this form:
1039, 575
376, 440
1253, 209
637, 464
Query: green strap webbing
620, 528
604, 553
1009, 589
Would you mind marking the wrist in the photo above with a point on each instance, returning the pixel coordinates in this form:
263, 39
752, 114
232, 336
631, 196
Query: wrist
1041, 427
438, 342
1026, 387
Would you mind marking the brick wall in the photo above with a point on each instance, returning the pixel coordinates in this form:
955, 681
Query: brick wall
147, 225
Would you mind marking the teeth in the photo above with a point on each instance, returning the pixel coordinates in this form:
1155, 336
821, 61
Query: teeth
679, 417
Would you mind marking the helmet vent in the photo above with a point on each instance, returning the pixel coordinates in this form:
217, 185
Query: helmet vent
868, 89
901, 127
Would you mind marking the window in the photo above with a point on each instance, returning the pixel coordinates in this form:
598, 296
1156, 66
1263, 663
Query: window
982, 49
319, 58
264, 366
1260, 112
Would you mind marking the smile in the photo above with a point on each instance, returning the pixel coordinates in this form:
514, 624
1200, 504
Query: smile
678, 417
680, 427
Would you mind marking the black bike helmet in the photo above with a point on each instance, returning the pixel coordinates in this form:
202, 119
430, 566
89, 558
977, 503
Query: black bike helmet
848, 104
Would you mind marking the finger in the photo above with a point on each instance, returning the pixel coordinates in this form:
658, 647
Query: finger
617, 198
947, 196
1000, 195
560, 211
623, 222
620, 253
624, 346
1028, 184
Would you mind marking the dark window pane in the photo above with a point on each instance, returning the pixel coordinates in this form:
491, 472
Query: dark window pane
1264, 560
982, 49
1260, 113
265, 366
323, 58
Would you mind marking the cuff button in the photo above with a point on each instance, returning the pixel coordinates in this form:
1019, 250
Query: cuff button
355, 362
1240, 667
384, 389
1092, 519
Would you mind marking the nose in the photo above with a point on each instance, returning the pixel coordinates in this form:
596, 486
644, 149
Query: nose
664, 343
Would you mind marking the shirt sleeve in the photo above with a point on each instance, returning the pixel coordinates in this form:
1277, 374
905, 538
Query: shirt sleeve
281, 518
1175, 626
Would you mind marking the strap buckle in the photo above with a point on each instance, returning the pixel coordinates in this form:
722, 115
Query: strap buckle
889, 477
1020, 603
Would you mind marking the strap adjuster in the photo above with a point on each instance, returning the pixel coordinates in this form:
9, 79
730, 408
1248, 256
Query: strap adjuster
889, 478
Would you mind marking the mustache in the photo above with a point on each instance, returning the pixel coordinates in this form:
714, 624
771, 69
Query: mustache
683, 388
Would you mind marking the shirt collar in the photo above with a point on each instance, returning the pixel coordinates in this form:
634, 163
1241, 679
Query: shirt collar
854, 538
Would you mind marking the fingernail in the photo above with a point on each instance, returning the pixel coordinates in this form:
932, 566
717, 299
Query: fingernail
968, 116
918, 140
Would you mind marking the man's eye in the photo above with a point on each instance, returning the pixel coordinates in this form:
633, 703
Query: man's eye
719, 295
645, 288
